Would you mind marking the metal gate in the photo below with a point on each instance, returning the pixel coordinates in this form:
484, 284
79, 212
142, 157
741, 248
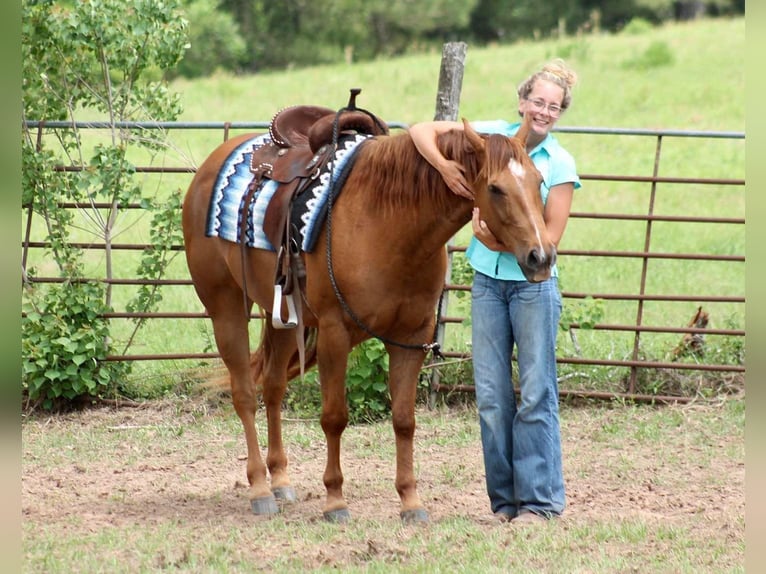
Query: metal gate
647, 218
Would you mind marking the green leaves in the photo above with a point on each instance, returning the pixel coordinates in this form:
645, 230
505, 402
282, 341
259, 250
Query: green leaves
93, 55
366, 382
367, 393
586, 313
90, 58
64, 344
166, 232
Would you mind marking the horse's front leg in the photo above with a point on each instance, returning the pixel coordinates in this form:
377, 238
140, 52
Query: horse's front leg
332, 358
404, 368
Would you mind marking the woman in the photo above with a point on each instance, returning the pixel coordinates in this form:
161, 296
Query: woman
520, 440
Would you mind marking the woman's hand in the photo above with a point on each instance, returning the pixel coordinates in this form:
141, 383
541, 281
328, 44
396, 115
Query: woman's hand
453, 175
483, 234
424, 136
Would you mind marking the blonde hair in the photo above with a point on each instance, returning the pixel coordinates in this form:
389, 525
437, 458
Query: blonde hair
555, 71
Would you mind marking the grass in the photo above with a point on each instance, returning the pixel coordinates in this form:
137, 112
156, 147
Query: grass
699, 88
195, 524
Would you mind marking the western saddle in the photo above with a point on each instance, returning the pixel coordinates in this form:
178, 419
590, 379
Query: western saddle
303, 139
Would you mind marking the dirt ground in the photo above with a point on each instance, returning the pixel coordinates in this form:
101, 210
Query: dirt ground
195, 477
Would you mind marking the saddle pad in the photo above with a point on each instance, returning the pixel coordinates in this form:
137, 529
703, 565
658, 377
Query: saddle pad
309, 208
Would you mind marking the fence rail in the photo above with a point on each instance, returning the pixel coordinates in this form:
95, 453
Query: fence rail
640, 296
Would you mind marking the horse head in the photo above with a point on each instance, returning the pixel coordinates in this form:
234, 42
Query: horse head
507, 193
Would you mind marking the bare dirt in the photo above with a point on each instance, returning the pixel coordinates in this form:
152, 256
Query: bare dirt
125, 466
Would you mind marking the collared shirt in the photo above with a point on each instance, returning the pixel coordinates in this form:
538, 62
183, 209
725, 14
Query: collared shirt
556, 165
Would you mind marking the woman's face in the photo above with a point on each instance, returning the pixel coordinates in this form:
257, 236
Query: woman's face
543, 104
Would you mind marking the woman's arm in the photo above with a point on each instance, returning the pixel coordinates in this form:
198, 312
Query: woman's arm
557, 208
424, 136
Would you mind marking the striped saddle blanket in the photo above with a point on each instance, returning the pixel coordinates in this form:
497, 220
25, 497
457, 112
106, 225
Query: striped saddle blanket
309, 208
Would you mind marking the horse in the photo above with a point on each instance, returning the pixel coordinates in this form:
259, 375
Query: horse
377, 270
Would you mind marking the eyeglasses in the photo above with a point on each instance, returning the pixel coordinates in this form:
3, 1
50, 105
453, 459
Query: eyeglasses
540, 105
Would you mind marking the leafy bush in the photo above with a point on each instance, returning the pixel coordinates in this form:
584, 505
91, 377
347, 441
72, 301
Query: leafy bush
80, 58
64, 342
367, 383
637, 26
367, 393
656, 55
214, 42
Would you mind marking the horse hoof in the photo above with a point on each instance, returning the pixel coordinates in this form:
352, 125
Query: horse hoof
264, 505
414, 516
285, 494
340, 516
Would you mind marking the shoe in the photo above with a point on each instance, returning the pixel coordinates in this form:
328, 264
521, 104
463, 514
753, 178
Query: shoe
528, 517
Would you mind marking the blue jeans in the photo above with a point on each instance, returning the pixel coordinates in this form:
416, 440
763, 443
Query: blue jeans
521, 440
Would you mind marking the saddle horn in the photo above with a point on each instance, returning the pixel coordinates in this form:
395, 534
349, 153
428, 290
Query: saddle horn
352, 98
326, 129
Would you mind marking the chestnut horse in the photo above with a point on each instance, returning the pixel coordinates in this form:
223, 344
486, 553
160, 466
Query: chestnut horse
385, 265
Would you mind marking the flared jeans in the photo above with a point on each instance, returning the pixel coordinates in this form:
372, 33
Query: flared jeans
521, 440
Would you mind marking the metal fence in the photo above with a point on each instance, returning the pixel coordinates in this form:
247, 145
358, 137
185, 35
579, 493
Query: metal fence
647, 221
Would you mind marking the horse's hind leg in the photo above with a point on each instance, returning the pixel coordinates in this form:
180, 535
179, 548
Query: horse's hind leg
278, 346
230, 326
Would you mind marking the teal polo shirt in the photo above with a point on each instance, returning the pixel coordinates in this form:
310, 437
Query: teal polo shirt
556, 165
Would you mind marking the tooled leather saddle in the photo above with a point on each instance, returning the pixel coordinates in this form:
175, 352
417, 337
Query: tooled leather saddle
302, 138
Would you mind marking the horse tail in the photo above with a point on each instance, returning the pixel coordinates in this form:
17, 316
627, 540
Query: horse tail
294, 366
220, 381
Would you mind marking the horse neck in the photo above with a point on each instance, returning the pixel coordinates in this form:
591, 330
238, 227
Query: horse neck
442, 222
414, 194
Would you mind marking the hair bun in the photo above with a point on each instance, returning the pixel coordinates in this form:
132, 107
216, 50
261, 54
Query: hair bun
559, 69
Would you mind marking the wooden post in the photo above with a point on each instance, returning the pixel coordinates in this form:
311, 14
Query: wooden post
447, 107
450, 81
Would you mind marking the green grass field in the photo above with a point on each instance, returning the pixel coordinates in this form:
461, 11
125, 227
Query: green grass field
698, 85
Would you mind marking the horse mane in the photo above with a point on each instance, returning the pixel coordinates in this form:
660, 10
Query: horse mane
404, 179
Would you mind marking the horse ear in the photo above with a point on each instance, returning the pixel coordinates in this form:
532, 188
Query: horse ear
474, 138
523, 132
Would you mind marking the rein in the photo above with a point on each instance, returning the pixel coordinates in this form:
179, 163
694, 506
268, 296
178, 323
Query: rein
425, 347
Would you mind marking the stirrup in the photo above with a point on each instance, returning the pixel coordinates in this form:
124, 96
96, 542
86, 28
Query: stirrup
276, 311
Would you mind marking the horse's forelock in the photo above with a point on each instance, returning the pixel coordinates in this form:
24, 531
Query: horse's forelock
500, 151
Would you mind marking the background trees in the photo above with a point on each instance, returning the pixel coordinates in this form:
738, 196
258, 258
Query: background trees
256, 35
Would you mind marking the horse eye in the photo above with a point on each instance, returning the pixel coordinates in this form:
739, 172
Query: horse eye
495, 190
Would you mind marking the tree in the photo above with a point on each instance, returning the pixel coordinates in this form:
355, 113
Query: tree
104, 57
511, 20
306, 32
215, 41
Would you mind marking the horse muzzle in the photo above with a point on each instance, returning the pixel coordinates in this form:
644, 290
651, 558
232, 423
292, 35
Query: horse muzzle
536, 263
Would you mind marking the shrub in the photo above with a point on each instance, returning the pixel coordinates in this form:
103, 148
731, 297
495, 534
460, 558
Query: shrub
214, 42
64, 345
85, 58
637, 26
367, 393
656, 55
